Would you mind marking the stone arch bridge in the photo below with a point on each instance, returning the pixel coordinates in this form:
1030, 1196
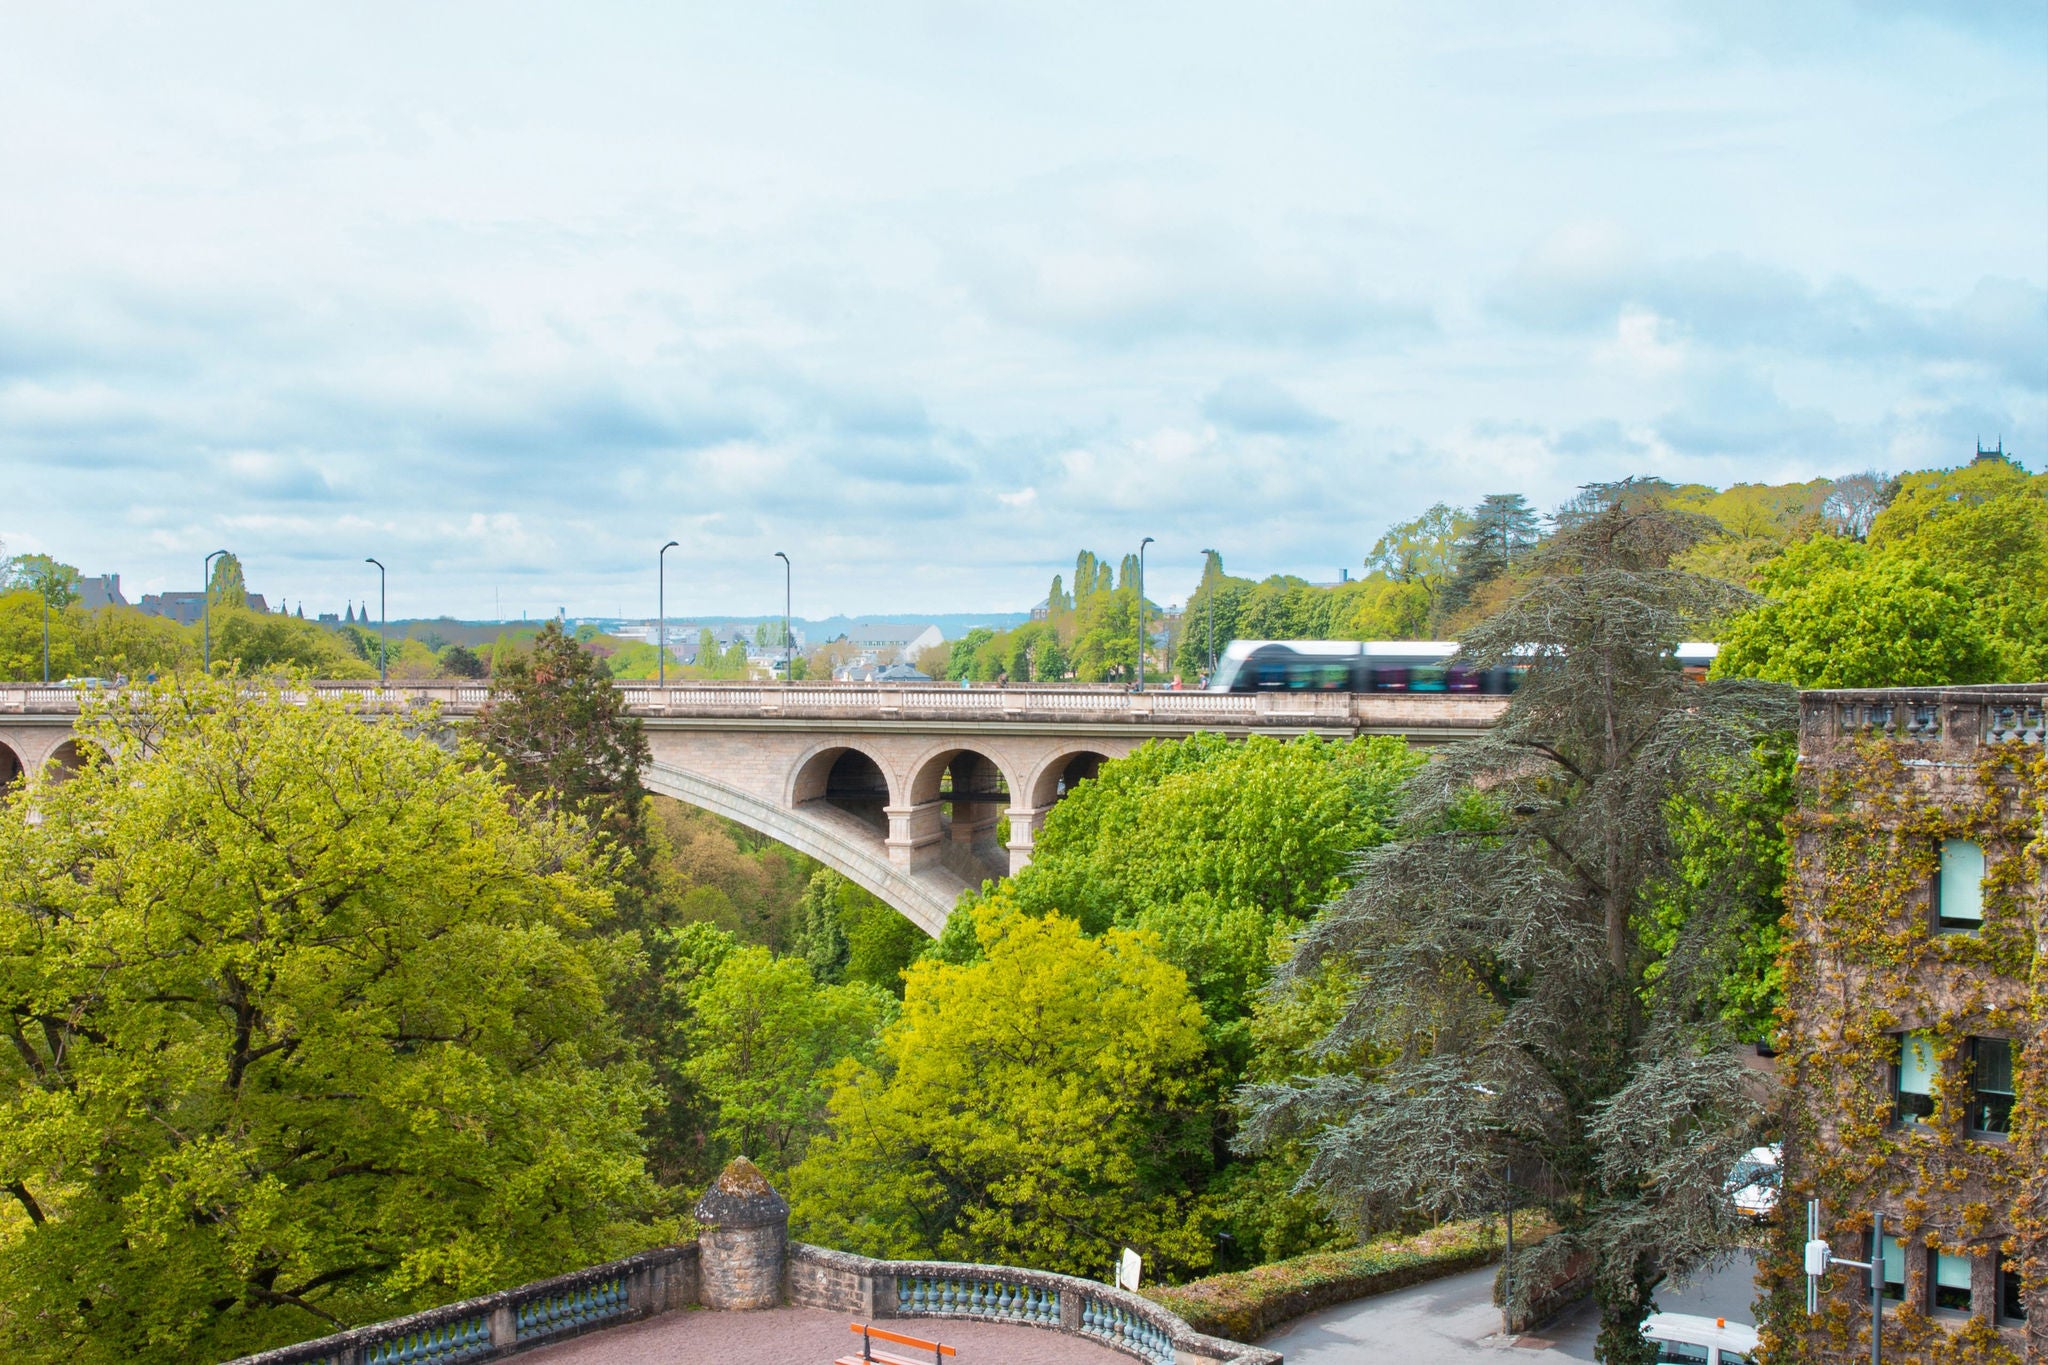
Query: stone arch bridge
905, 790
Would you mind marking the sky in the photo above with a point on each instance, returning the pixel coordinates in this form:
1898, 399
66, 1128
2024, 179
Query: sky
931, 296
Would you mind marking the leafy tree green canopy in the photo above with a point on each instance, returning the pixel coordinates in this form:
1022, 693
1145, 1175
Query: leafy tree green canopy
1215, 845
1032, 1107
307, 1029
1499, 965
1846, 617
762, 1038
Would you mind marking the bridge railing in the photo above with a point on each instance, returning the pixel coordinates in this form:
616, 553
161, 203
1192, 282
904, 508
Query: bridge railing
814, 701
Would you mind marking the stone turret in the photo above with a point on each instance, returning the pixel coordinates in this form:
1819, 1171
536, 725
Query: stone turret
745, 1239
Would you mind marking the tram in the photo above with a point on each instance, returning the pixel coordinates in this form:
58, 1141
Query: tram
1383, 666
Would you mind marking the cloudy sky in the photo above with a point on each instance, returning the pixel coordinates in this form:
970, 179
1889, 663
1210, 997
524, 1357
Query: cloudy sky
931, 295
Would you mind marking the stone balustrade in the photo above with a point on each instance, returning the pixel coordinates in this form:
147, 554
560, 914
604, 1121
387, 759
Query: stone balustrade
835, 703
1948, 721
513, 1320
743, 1260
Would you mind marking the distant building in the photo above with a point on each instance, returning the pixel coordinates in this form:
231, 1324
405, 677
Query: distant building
1996, 452
186, 608
101, 590
894, 641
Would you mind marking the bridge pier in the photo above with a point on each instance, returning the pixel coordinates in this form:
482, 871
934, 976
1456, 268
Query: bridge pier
914, 835
1025, 822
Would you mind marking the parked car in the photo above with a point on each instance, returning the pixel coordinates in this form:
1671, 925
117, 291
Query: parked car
1755, 1180
1688, 1339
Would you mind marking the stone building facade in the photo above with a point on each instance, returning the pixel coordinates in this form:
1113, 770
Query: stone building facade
1916, 986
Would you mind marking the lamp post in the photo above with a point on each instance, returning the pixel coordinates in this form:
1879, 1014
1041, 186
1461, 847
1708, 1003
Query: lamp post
1820, 1256
46, 639
661, 610
788, 665
206, 607
381, 674
1206, 554
1141, 611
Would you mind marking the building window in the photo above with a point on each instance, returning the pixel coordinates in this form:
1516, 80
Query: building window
1991, 1092
1913, 1079
1892, 1260
1959, 890
1948, 1288
2012, 1307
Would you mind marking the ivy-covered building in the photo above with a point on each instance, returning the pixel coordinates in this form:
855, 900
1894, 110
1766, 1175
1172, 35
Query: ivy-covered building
1916, 991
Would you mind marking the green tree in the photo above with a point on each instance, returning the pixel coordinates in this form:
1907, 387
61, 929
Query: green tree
1498, 534
1214, 846
849, 934
23, 614
225, 587
251, 642
122, 641
1845, 616
308, 1031
54, 582
563, 734
960, 659
1033, 1107
762, 1040
1500, 965
1423, 551
460, 661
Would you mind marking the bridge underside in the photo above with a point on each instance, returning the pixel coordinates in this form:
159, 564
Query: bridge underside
837, 838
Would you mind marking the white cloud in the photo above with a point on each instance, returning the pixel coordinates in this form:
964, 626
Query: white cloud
938, 300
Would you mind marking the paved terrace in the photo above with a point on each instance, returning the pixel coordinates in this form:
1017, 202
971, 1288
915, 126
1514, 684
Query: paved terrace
812, 1336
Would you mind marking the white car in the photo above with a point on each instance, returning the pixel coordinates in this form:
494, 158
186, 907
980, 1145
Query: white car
1688, 1339
1754, 1182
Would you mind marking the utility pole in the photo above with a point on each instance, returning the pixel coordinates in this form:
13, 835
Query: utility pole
1141, 611
382, 675
1206, 558
661, 610
788, 644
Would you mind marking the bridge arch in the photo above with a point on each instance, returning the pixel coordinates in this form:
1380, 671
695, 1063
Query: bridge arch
841, 841
65, 760
957, 797
12, 769
1059, 770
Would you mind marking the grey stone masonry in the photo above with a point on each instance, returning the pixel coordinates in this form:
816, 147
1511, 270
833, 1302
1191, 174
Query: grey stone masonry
744, 1241
1128, 1323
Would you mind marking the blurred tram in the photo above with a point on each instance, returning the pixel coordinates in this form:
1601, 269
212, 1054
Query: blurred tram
1382, 666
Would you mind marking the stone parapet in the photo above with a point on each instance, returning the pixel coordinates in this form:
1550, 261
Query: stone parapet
513, 1320
821, 1278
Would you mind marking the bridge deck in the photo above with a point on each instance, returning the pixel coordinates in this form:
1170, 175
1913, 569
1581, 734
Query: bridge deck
1066, 709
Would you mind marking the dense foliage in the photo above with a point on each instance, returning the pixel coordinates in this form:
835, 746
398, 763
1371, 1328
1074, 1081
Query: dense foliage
308, 1028
1502, 967
1036, 1106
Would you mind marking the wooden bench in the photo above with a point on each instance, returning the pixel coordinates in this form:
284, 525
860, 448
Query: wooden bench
870, 1356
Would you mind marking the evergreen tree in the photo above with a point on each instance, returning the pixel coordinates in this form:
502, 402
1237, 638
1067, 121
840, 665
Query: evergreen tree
1497, 951
1498, 534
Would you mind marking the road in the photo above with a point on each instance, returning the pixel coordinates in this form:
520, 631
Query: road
1452, 1321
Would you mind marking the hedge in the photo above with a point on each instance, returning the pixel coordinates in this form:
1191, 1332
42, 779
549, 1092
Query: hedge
1247, 1304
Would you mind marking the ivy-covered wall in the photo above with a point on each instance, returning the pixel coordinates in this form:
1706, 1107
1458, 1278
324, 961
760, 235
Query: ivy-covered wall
1886, 777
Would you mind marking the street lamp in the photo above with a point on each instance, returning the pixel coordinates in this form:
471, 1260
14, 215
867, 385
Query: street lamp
381, 674
788, 666
206, 606
1141, 611
1820, 1256
1206, 554
46, 636
661, 609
